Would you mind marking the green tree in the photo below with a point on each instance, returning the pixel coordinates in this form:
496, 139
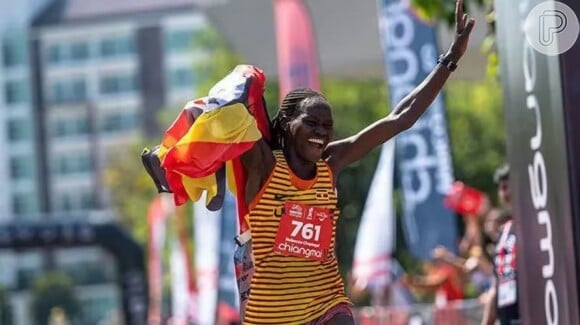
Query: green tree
444, 10
477, 132
50, 291
131, 188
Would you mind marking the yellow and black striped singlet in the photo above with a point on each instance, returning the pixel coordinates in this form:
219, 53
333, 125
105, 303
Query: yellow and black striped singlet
287, 289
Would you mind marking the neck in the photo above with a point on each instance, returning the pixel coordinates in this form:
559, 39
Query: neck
300, 167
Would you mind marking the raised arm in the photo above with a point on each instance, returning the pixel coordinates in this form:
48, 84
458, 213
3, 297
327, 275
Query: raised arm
344, 152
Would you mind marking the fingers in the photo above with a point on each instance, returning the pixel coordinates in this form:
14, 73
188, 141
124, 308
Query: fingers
458, 12
469, 26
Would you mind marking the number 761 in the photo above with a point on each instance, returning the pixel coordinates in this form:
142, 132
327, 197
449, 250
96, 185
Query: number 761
306, 230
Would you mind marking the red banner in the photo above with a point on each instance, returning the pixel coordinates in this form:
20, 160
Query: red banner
159, 210
297, 54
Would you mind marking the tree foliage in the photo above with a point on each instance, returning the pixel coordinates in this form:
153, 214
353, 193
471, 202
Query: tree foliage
50, 291
131, 188
444, 10
477, 132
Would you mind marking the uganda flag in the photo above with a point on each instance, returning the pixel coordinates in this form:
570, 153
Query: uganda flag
210, 134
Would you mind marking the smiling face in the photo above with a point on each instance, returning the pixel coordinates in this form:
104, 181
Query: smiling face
310, 131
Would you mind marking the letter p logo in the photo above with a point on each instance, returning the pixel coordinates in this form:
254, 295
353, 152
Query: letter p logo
551, 23
551, 27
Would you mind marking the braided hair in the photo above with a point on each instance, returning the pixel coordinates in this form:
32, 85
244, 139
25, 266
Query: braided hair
292, 103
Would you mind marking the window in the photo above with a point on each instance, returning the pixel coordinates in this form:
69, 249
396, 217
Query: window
14, 52
64, 203
19, 130
70, 127
68, 91
79, 200
79, 51
21, 167
120, 122
30, 262
118, 84
56, 53
115, 47
24, 203
180, 40
72, 164
86, 200
16, 92
71, 52
181, 78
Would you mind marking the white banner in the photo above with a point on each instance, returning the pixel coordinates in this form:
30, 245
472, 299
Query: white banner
180, 298
376, 233
206, 227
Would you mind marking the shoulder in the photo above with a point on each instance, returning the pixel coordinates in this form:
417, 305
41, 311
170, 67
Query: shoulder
325, 165
258, 157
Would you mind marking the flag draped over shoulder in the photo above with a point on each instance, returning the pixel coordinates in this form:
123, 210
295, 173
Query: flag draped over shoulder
211, 133
205, 143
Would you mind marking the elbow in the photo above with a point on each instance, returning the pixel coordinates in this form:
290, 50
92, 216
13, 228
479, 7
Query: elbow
405, 122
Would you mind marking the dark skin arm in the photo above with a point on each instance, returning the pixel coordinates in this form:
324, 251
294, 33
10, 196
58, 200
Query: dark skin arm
259, 161
344, 152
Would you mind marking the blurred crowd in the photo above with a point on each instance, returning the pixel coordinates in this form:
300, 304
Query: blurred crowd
483, 269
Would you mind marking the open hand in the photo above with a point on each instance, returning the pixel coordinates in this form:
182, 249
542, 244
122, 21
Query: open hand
440, 253
463, 27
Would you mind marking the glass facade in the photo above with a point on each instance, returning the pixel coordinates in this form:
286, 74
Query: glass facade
115, 47
14, 50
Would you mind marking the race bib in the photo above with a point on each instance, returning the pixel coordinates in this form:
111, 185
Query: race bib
304, 231
506, 292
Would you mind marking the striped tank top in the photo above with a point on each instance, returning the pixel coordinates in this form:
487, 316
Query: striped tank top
287, 289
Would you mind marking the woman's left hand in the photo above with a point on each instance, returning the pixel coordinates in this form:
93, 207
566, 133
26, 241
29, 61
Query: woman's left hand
463, 27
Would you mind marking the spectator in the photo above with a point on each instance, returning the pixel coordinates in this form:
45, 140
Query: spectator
440, 279
502, 304
476, 268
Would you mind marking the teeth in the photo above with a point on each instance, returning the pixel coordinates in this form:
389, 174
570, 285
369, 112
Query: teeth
319, 141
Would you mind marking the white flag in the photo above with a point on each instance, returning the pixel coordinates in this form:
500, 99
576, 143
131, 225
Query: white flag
207, 233
376, 233
180, 296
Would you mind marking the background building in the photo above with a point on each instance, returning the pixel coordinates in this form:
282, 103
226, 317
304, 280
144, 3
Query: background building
80, 77
18, 168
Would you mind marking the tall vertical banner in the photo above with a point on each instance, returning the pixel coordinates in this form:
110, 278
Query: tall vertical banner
184, 261
228, 305
296, 47
183, 304
160, 209
374, 244
423, 156
540, 92
207, 234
